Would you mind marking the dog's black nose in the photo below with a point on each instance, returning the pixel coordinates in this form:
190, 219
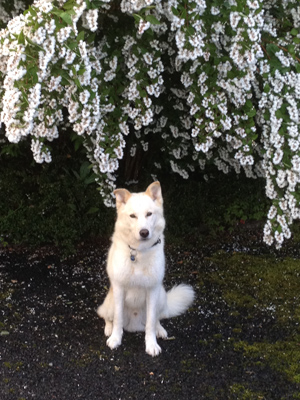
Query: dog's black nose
144, 233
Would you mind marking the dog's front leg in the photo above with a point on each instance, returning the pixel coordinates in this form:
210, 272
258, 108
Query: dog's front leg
116, 336
152, 347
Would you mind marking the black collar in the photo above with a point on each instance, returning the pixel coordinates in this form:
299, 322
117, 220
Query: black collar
133, 252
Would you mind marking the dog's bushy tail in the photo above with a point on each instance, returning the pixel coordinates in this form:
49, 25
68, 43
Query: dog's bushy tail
179, 298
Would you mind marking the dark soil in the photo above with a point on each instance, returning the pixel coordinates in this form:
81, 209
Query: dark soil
53, 344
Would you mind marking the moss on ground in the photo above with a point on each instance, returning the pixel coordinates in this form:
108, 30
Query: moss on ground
259, 284
262, 297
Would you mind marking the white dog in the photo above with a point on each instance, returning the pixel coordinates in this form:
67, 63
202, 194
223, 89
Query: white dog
137, 300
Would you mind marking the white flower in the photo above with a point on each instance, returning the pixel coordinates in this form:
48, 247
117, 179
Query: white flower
84, 96
186, 79
234, 19
253, 4
143, 26
253, 34
279, 237
272, 212
46, 7
277, 156
148, 58
63, 34
147, 101
293, 130
70, 56
294, 144
195, 132
92, 19
54, 82
215, 10
296, 163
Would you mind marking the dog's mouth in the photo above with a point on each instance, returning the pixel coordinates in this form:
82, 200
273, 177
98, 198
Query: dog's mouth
142, 239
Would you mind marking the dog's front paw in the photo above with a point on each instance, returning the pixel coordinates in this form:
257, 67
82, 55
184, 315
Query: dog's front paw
114, 341
152, 348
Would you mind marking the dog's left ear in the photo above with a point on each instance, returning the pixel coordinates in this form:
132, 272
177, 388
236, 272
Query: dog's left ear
154, 191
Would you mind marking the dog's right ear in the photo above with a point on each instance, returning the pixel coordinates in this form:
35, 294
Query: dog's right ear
122, 196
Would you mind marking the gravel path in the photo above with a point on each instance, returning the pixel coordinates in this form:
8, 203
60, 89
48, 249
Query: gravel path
52, 344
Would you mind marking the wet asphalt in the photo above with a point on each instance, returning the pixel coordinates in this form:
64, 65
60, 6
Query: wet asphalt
52, 344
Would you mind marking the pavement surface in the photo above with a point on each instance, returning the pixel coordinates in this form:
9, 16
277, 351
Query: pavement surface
52, 344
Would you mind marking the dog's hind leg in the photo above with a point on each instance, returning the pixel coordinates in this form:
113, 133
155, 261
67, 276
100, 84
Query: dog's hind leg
160, 331
108, 328
106, 311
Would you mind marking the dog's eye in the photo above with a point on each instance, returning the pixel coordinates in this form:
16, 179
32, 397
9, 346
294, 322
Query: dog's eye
148, 214
132, 216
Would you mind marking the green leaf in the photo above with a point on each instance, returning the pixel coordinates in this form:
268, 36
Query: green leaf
92, 210
272, 48
72, 45
34, 44
153, 20
33, 74
64, 74
190, 30
84, 170
279, 114
77, 83
21, 38
251, 113
72, 206
80, 36
183, 14
175, 11
69, 4
91, 38
294, 32
57, 12
143, 93
231, 74
90, 179
291, 49
32, 11
81, 71
137, 17
77, 145
248, 104
66, 17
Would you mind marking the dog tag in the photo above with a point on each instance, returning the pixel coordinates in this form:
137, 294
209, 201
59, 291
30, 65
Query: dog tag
133, 254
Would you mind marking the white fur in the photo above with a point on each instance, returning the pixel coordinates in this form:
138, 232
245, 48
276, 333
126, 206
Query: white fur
137, 300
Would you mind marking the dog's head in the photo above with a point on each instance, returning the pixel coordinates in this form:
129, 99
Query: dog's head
140, 215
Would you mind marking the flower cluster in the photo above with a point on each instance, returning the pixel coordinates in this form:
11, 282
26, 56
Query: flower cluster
197, 83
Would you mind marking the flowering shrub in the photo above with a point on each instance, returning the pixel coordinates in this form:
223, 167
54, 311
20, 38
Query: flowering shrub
202, 83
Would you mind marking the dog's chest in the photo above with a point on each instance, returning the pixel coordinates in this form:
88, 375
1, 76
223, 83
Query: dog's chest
146, 270
143, 271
